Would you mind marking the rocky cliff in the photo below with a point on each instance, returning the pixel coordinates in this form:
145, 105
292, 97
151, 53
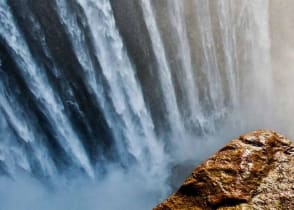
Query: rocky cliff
255, 171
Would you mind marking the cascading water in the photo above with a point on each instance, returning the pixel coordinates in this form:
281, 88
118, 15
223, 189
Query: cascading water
111, 91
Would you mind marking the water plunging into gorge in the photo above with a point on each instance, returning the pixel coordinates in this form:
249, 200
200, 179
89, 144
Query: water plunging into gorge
105, 98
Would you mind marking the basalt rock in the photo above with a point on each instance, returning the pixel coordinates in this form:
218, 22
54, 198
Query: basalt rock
255, 171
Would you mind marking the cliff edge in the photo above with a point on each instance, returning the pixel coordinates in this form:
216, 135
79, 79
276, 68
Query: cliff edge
255, 171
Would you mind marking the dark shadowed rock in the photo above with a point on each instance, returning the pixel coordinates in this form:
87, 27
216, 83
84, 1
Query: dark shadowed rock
255, 171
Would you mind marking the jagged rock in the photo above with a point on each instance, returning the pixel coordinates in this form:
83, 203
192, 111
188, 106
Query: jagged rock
255, 171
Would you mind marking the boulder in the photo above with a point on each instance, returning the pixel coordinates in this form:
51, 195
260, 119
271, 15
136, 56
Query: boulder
255, 171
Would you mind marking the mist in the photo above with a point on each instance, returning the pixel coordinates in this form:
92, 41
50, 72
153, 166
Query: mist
29, 194
282, 58
120, 189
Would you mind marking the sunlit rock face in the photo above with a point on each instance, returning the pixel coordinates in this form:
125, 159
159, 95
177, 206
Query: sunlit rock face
254, 171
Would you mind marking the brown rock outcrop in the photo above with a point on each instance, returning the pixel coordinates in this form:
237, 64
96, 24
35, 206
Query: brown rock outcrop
255, 171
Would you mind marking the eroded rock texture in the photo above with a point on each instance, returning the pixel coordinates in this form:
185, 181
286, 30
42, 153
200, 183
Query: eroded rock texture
255, 171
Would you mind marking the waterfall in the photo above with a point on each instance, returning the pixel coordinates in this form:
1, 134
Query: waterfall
178, 24
38, 85
164, 73
112, 90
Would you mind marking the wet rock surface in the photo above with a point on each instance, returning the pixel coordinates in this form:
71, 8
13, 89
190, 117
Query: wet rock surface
255, 171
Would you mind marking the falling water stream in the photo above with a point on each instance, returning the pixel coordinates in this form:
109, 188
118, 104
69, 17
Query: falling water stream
102, 101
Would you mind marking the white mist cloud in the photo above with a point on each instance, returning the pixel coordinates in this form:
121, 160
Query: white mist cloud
119, 190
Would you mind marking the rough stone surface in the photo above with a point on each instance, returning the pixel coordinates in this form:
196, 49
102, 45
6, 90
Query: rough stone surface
255, 171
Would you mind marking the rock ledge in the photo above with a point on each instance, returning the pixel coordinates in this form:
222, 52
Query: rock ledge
255, 171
